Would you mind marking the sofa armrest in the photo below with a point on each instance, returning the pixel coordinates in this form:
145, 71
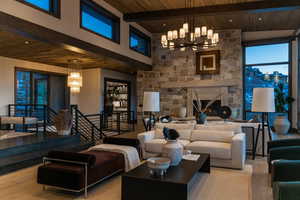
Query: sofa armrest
238, 150
146, 136
143, 138
283, 143
286, 153
286, 190
286, 170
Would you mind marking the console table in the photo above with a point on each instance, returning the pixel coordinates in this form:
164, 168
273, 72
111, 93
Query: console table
138, 184
24, 121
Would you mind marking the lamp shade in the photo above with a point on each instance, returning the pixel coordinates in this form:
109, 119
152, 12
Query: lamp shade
151, 102
263, 100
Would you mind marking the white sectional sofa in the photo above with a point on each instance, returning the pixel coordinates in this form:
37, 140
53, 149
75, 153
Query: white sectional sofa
225, 143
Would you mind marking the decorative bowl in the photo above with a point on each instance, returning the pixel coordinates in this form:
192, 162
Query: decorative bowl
158, 165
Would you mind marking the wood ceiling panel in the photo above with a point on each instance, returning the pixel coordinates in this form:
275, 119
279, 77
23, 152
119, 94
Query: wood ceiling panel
246, 22
129, 6
13, 46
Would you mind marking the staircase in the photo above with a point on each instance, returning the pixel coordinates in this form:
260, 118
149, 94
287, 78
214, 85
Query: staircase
87, 130
17, 153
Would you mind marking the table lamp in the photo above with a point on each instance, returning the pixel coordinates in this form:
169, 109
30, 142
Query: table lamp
151, 103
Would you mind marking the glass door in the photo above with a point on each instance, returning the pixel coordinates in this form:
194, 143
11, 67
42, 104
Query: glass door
41, 91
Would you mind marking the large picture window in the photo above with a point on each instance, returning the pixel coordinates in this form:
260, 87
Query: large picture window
139, 42
99, 21
50, 6
265, 66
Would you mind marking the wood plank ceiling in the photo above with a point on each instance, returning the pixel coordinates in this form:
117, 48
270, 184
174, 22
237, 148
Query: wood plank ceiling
19, 47
277, 19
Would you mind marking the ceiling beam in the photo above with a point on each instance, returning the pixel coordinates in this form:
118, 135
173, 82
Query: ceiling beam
259, 6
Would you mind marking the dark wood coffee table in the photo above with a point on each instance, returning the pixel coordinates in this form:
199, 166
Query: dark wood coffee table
138, 184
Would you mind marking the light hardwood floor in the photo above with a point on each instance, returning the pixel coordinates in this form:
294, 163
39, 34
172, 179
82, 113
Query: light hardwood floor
21, 185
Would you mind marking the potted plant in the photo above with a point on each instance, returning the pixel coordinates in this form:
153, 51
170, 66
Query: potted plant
201, 113
63, 122
282, 102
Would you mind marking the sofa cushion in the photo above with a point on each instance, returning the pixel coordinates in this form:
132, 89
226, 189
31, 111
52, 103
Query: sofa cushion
156, 145
236, 128
175, 126
212, 135
215, 149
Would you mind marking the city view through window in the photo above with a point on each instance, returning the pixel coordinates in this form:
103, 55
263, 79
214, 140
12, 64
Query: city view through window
265, 66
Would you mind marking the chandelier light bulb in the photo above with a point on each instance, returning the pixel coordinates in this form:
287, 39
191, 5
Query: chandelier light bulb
175, 35
186, 27
164, 44
172, 46
170, 35
203, 30
163, 39
210, 33
197, 32
216, 37
182, 49
205, 45
182, 33
192, 37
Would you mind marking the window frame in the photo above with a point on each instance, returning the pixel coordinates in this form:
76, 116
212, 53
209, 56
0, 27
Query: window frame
289, 63
143, 36
99, 9
55, 7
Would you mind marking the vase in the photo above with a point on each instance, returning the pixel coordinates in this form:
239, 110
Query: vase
64, 132
281, 124
201, 118
174, 151
63, 122
182, 112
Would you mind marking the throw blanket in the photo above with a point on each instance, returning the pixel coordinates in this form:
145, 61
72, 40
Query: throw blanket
132, 159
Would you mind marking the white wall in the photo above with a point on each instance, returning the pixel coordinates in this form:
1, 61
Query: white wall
89, 96
69, 24
7, 79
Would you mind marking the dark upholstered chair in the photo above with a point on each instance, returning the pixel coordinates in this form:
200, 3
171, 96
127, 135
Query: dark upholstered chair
284, 165
287, 149
286, 179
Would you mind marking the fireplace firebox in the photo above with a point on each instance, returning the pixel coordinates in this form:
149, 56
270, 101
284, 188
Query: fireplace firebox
212, 109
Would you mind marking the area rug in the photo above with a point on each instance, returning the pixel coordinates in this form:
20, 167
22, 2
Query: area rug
220, 184
11, 134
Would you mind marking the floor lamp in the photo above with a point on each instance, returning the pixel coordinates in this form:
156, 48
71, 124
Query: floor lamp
151, 103
264, 103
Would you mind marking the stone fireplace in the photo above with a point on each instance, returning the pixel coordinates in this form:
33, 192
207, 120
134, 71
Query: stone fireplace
174, 76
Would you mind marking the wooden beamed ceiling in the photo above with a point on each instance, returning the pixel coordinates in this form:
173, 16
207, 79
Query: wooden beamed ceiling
249, 15
24, 40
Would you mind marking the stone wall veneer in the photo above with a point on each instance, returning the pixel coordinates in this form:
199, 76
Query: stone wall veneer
174, 67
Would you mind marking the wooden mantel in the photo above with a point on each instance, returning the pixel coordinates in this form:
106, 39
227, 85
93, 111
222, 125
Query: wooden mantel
202, 84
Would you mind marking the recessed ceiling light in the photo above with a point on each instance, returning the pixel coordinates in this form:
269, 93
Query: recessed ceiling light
260, 19
230, 20
27, 42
